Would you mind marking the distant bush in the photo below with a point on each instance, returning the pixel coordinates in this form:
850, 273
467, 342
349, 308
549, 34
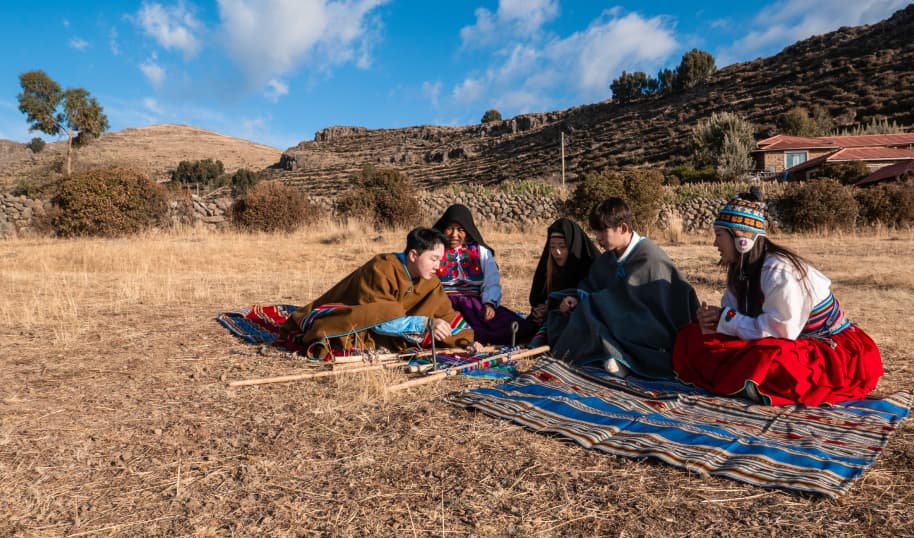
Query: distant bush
37, 186
385, 196
723, 141
271, 206
642, 189
696, 66
847, 173
796, 122
822, 204
491, 115
889, 204
108, 202
36, 145
242, 181
197, 172
686, 173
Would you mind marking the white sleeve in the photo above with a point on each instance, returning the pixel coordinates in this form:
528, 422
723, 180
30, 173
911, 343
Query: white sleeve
785, 309
491, 278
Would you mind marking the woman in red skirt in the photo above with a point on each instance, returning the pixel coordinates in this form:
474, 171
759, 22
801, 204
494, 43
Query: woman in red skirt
780, 336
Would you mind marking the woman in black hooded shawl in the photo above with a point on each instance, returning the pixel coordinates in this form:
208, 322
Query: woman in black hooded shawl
565, 261
472, 280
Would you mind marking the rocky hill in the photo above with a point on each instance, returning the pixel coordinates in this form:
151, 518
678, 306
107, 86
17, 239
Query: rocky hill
157, 149
855, 73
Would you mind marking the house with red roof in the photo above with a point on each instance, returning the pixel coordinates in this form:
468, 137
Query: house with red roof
800, 155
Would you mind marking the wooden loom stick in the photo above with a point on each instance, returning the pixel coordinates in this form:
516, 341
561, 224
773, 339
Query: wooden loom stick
347, 359
313, 375
482, 363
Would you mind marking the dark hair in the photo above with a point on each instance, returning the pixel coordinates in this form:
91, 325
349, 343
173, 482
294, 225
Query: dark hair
610, 213
422, 239
744, 278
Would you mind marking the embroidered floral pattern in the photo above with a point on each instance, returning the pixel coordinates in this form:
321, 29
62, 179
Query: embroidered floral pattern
461, 263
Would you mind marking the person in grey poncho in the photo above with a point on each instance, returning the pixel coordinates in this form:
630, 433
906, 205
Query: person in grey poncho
627, 312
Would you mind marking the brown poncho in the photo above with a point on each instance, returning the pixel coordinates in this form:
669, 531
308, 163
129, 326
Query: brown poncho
379, 291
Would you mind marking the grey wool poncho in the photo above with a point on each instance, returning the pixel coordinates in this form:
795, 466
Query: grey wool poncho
630, 312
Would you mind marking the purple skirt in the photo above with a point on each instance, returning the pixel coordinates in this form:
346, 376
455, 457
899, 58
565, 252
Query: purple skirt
497, 330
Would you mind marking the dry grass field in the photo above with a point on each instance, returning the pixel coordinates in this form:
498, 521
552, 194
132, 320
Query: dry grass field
116, 418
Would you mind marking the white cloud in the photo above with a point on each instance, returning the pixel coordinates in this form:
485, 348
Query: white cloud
432, 91
276, 89
513, 18
582, 64
173, 27
152, 105
78, 44
788, 21
625, 43
469, 91
113, 43
321, 33
718, 24
154, 73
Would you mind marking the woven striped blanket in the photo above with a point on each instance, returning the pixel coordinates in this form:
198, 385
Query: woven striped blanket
821, 450
257, 324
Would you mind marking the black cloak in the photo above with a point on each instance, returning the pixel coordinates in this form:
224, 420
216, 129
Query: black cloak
581, 254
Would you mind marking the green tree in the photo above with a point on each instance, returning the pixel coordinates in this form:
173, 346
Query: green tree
796, 122
197, 172
665, 80
242, 181
629, 86
723, 141
695, 67
53, 111
36, 144
491, 115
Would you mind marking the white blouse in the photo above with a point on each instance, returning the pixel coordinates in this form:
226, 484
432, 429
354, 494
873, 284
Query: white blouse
491, 278
788, 300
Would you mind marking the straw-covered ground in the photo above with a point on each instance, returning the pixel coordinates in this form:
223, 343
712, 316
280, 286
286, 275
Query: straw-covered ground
116, 417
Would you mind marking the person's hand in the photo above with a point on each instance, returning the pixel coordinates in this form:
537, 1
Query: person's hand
708, 318
475, 347
441, 329
538, 314
568, 304
488, 312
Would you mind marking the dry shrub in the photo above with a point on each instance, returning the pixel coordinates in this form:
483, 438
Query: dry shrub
384, 195
271, 206
642, 189
889, 204
108, 202
823, 204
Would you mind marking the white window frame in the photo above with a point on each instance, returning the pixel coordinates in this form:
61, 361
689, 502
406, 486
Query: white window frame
787, 154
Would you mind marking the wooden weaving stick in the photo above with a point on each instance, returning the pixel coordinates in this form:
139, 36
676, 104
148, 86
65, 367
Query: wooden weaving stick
314, 375
482, 363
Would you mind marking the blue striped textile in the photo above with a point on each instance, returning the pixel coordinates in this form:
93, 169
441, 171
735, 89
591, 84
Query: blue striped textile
812, 449
257, 324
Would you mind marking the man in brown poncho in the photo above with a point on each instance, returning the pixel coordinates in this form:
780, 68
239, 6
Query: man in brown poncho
394, 301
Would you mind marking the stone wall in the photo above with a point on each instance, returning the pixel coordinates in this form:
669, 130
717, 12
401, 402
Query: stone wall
17, 213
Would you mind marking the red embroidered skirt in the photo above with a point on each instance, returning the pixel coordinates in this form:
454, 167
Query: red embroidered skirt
805, 371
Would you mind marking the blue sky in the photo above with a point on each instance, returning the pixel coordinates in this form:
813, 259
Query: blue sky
276, 71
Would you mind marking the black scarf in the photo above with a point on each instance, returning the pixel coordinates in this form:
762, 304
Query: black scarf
581, 253
459, 214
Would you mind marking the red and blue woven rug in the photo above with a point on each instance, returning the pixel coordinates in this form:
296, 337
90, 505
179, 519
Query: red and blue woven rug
812, 449
259, 324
